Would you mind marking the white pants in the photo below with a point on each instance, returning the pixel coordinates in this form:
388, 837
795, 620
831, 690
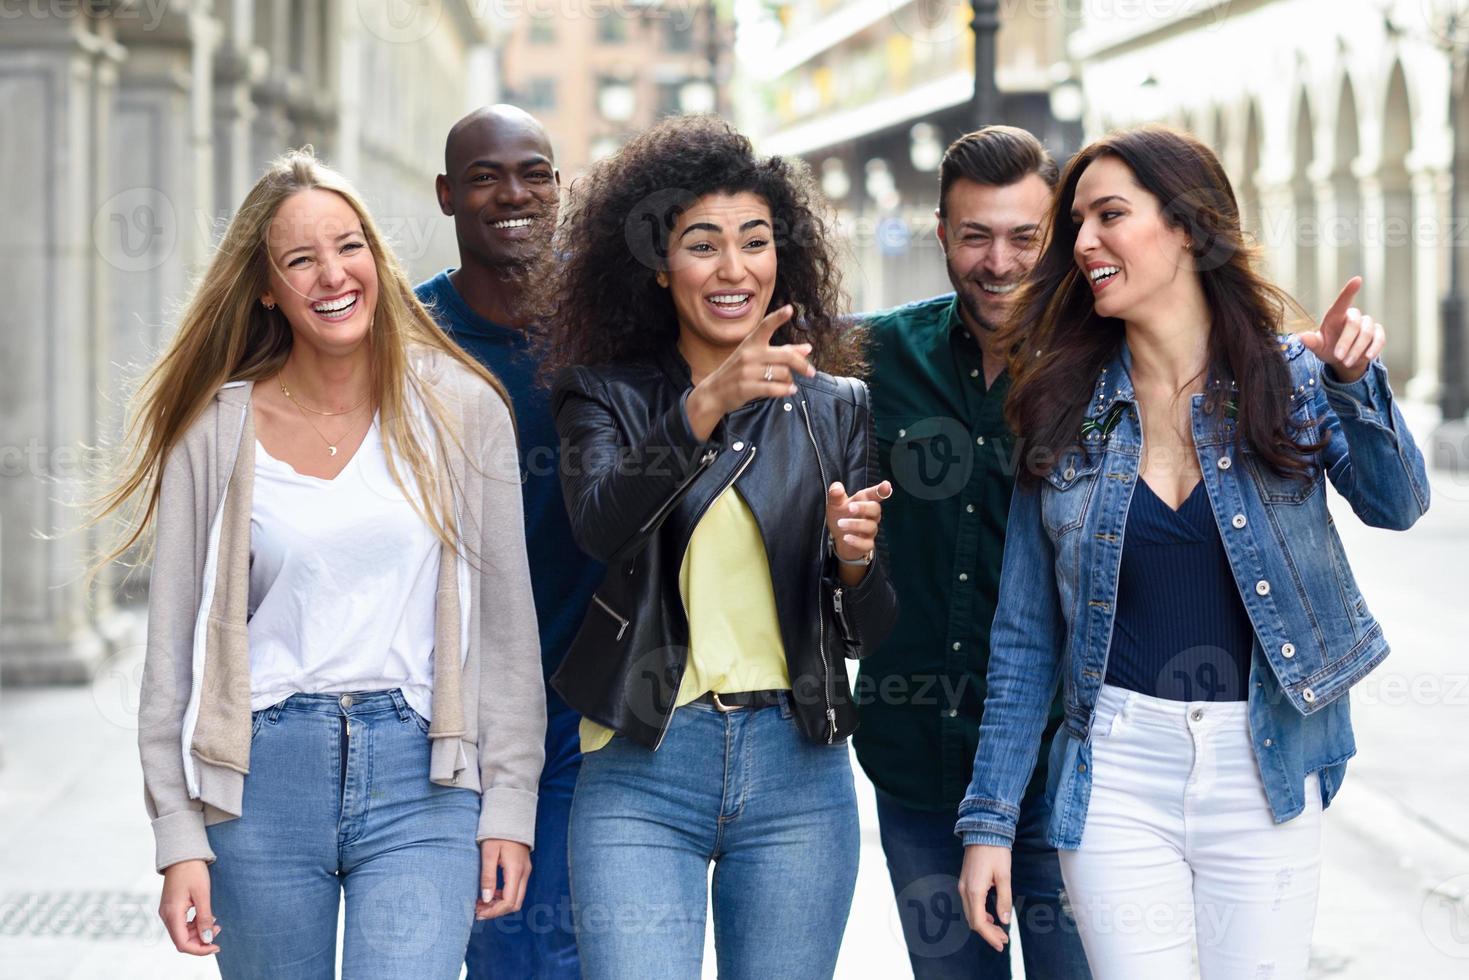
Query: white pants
1179, 847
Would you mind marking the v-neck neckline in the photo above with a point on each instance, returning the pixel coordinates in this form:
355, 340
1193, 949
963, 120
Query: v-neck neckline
1164, 504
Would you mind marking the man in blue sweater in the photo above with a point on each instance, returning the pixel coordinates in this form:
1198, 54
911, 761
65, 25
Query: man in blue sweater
501, 187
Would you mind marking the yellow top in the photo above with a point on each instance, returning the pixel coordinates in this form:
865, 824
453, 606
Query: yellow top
734, 632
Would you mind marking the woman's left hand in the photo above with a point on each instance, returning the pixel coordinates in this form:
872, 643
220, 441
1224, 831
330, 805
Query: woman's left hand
1346, 341
852, 521
512, 860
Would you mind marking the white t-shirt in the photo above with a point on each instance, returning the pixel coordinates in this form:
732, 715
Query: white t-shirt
343, 581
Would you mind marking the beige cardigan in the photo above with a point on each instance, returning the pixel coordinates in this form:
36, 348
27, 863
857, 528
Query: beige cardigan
489, 700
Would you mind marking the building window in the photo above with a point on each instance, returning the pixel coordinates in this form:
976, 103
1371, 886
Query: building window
678, 32
616, 100
612, 27
669, 101
539, 95
542, 30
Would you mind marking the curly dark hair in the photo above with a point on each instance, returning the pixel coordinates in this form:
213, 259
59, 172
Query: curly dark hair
601, 301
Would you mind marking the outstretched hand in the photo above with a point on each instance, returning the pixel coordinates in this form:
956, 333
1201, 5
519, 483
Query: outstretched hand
1346, 341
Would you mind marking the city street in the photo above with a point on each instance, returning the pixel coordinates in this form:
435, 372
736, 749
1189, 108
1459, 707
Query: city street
78, 895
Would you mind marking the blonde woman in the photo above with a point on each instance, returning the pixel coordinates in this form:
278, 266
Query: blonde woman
342, 690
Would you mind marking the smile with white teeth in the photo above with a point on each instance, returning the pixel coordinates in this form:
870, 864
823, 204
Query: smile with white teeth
998, 289
729, 300
512, 223
1103, 272
336, 309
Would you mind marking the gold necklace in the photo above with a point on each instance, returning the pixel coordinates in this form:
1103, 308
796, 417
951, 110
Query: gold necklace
331, 444
281, 380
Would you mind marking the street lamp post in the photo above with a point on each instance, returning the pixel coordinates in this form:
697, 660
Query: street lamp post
1450, 442
1452, 397
985, 107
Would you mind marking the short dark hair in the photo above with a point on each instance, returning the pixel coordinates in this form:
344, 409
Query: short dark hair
996, 156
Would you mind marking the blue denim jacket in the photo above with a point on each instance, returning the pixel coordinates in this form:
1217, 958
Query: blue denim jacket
1314, 635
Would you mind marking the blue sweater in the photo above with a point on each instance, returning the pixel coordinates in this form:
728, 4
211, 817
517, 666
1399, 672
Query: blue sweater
563, 578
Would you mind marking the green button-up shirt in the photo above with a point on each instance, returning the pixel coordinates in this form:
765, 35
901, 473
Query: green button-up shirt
943, 442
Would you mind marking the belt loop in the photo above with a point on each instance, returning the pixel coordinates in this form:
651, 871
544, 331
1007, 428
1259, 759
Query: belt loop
274, 711
399, 703
785, 704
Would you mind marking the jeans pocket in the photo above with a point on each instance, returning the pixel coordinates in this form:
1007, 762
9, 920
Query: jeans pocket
1108, 718
257, 720
419, 720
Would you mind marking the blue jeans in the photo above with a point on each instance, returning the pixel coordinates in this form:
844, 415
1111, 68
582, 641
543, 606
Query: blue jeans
539, 941
327, 811
776, 814
924, 858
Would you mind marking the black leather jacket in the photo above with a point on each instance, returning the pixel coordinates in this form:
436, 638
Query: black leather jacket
636, 481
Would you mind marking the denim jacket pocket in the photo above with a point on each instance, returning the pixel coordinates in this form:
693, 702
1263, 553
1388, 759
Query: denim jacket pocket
1067, 492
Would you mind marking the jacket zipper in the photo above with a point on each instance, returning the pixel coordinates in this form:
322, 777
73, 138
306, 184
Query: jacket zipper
621, 621
744, 464
831, 712
678, 492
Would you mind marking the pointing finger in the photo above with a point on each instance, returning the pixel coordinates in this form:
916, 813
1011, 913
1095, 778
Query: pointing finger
1338, 310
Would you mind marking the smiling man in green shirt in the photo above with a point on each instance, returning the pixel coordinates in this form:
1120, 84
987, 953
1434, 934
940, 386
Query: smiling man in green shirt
938, 391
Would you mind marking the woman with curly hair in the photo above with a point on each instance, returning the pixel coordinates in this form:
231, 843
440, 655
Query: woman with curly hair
1170, 562
706, 462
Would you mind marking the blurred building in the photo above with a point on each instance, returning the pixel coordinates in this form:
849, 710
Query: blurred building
598, 72
870, 92
129, 131
1333, 121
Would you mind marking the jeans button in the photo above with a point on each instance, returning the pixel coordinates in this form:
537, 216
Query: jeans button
1198, 714
346, 701
1239, 520
1308, 696
1262, 587
1288, 650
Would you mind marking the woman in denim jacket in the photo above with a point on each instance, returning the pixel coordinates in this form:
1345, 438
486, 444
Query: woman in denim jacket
1170, 560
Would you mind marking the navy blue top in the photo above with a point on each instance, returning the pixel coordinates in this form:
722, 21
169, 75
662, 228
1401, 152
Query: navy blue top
563, 578
1181, 631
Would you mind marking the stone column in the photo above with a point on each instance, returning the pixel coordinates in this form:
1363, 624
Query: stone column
54, 101
1430, 191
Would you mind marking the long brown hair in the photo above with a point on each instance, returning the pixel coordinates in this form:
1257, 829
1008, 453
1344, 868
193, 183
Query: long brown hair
1059, 344
225, 334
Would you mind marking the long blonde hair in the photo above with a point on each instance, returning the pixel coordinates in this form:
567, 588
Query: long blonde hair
225, 334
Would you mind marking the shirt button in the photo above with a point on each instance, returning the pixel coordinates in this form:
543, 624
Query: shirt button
737, 447
980, 440
964, 576
974, 372
1288, 650
1262, 587
1269, 742
1239, 520
346, 700
788, 406
952, 713
958, 646
1308, 696
968, 508
1224, 462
